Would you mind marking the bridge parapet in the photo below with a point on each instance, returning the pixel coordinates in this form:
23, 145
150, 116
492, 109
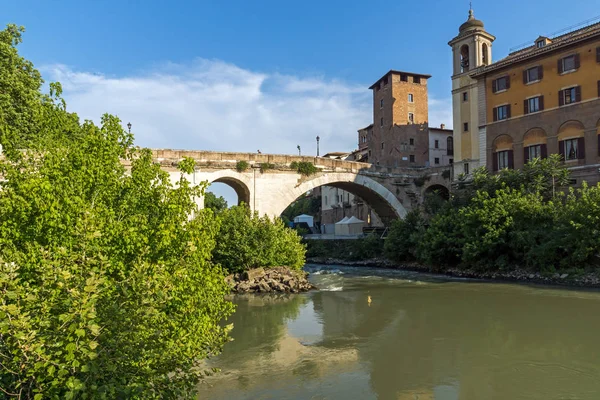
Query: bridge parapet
220, 160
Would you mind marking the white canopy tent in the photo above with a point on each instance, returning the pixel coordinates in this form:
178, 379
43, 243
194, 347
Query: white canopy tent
354, 226
309, 219
341, 228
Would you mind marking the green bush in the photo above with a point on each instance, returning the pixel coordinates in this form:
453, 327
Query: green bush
346, 249
266, 166
246, 241
304, 167
404, 236
241, 166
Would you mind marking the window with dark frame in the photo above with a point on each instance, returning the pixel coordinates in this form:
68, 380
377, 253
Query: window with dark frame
502, 159
451, 161
411, 118
410, 98
404, 77
571, 150
569, 63
534, 152
412, 141
465, 96
450, 146
501, 84
381, 103
436, 161
534, 104
416, 79
533, 74
466, 168
466, 127
412, 158
436, 144
502, 112
569, 96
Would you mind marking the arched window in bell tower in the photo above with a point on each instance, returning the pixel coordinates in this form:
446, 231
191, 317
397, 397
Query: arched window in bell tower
484, 54
464, 58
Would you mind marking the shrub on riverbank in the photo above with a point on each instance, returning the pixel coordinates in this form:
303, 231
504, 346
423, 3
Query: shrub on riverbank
246, 241
352, 249
512, 219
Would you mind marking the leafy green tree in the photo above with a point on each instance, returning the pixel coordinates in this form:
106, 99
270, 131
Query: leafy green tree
404, 236
217, 204
247, 241
106, 285
442, 243
27, 115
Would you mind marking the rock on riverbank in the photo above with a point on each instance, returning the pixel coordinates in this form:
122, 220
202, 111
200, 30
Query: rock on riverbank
277, 279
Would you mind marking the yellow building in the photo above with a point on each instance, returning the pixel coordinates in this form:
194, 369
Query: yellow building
539, 100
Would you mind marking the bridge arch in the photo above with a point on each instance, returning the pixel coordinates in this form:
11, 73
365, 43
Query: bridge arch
241, 183
437, 189
379, 198
241, 189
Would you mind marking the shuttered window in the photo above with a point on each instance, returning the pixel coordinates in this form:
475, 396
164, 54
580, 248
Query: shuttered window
503, 159
501, 84
569, 63
533, 104
569, 96
533, 74
572, 149
502, 112
534, 151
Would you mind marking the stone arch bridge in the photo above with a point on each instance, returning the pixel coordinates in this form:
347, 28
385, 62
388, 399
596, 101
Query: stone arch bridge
269, 184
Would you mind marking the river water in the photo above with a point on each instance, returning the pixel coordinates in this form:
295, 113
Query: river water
419, 338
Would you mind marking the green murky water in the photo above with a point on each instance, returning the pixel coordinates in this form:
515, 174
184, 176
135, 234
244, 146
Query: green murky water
419, 338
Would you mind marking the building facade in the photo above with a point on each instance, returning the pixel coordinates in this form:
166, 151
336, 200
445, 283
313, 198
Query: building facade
441, 146
471, 49
540, 100
400, 117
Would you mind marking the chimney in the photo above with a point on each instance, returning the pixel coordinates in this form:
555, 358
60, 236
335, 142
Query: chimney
443, 126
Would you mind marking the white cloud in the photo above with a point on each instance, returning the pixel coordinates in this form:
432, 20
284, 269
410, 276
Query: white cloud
214, 105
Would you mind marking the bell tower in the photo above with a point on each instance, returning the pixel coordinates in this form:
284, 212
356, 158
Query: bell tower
471, 49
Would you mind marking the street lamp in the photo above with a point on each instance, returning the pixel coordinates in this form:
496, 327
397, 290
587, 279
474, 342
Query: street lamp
318, 138
299, 153
129, 126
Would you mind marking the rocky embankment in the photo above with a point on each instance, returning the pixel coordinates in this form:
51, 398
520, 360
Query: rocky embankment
271, 280
514, 275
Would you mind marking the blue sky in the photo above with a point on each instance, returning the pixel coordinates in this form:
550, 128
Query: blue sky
242, 75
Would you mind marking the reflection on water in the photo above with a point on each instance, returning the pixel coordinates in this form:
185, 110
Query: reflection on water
420, 338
